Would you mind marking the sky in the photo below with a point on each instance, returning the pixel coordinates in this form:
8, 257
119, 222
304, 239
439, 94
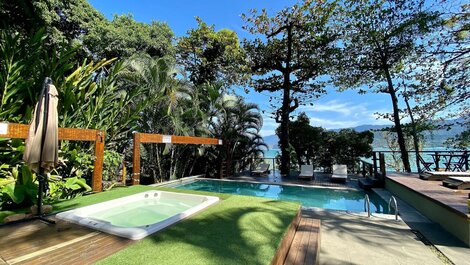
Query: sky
331, 111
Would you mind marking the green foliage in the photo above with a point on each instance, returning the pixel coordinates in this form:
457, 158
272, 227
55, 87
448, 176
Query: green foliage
17, 188
460, 141
123, 37
17, 74
91, 97
75, 163
67, 188
111, 163
64, 21
212, 56
321, 148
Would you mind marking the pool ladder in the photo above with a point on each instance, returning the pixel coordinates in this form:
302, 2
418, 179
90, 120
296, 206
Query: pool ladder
395, 206
367, 205
392, 200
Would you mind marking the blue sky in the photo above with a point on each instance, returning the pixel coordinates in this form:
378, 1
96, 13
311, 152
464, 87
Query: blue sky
331, 111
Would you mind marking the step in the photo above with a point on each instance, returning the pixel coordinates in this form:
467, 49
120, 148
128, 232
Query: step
305, 247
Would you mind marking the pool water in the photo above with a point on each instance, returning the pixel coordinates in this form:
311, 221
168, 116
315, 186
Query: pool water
145, 212
327, 198
139, 215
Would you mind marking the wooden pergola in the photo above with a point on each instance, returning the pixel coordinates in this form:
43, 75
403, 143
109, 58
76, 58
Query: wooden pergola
140, 138
20, 131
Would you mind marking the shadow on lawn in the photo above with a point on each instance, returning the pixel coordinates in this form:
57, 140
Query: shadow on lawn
228, 235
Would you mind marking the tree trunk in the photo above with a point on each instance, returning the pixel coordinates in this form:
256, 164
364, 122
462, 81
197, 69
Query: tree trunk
285, 110
284, 137
414, 132
396, 119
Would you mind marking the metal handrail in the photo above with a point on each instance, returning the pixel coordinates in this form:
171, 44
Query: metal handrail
367, 205
395, 206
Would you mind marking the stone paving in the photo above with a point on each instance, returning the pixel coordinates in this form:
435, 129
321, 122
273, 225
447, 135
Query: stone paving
352, 238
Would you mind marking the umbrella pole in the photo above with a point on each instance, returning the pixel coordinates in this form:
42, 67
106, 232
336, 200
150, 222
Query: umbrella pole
41, 175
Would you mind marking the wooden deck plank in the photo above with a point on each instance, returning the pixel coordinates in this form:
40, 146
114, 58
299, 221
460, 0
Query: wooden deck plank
455, 200
314, 242
305, 246
35, 242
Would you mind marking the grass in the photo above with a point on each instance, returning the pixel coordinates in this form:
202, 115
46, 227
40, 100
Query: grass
237, 230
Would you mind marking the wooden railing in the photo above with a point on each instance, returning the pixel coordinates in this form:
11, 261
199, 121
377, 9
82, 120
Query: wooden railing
20, 131
431, 160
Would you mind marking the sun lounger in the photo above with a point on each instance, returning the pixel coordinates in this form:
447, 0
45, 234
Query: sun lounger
460, 183
441, 175
306, 172
261, 169
340, 173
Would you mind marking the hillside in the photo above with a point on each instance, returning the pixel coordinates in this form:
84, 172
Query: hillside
434, 138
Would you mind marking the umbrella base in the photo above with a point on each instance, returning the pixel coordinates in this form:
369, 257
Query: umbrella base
44, 219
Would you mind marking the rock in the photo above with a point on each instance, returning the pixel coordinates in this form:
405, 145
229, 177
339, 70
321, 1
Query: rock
45, 209
34, 209
14, 217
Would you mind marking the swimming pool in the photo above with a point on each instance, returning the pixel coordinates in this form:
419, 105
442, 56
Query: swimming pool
138, 215
327, 198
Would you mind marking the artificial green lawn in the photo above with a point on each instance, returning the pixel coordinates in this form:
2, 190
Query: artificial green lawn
237, 230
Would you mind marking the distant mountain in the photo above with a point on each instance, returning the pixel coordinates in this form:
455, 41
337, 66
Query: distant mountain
366, 127
271, 141
434, 138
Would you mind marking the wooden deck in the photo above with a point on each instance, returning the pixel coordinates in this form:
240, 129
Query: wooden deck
456, 200
305, 247
35, 242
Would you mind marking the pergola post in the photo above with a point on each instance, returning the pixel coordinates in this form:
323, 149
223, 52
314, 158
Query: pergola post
136, 160
97, 183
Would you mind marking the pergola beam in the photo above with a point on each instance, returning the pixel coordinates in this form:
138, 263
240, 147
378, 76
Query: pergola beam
20, 131
140, 138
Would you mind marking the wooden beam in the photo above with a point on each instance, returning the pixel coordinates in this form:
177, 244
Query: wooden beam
160, 138
20, 131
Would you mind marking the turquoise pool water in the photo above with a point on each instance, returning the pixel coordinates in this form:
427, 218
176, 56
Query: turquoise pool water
336, 199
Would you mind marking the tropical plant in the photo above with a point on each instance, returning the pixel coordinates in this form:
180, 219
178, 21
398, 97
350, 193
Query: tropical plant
17, 187
238, 124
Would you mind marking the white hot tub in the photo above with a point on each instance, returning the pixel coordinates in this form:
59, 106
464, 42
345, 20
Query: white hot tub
138, 215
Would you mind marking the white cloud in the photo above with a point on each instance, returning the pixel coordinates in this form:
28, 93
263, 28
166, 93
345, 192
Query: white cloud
344, 108
333, 114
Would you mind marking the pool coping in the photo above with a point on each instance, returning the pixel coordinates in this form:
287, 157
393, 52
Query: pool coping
192, 178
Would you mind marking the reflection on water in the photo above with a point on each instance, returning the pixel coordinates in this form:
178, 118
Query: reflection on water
336, 199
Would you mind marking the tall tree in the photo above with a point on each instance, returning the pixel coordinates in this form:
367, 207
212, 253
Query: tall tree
65, 21
124, 36
212, 56
292, 52
378, 37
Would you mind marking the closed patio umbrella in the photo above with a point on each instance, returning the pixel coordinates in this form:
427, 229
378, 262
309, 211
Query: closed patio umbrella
41, 151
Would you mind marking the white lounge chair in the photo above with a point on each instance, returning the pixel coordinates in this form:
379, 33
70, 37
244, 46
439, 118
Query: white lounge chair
460, 183
442, 175
261, 169
340, 173
306, 172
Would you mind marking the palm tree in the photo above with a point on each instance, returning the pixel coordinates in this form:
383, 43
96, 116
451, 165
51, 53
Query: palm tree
238, 123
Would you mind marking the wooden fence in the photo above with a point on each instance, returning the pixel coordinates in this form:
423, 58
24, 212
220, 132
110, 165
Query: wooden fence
140, 138
20, 131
